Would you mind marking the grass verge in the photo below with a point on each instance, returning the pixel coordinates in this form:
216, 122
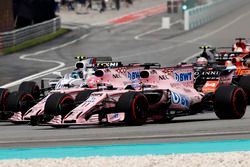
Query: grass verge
34, 42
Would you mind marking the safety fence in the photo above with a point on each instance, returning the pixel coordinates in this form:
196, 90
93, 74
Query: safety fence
200, 15
15, 37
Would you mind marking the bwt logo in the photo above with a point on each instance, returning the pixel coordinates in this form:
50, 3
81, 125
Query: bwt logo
133, 75
183, 76
179, 99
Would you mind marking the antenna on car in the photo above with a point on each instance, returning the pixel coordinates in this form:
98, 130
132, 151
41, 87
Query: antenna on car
204, 52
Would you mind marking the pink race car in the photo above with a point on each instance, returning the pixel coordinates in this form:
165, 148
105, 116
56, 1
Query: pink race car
56, 99
157, 94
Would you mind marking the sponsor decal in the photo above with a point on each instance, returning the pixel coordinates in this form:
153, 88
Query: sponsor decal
179, 77
96, 94
208, 84
179, 99
108, 64
121, 70
91, 99
153, 72
163, 77
133, 75
209, 73
243, 72
168, 71
115, 116
116, 76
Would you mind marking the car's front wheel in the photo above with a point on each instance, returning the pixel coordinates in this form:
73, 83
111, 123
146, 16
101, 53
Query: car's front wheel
59, 104
135, 106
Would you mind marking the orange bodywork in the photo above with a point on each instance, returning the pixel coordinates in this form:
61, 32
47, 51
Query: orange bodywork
210, 86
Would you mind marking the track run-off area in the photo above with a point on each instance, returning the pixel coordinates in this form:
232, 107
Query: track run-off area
140, 41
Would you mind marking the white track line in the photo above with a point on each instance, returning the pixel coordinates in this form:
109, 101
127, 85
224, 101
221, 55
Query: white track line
46, 72
187, 41
138, 37
61, 64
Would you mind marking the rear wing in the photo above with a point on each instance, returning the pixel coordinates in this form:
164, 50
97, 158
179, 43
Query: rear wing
80, 58
224, 56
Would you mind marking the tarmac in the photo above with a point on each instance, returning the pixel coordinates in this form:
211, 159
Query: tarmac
82, 16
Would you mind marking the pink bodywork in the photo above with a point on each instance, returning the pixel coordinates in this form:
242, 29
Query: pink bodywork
119, 81
177, 80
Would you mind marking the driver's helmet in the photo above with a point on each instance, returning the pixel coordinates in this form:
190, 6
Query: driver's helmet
229, 65
238, 49
92, 82
201, 61
76, 74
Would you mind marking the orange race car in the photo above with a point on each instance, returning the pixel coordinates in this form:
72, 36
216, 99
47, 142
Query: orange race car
226, 67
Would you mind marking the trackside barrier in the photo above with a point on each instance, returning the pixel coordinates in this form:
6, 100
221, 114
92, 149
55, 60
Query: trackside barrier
200, 15
15, 37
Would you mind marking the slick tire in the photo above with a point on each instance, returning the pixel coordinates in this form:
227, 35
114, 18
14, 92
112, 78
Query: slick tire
30, 87
19, 101
3, 96
244, 83
59, 104
230, 102
135, 106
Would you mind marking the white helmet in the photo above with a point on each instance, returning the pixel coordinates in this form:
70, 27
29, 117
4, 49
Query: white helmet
202, 61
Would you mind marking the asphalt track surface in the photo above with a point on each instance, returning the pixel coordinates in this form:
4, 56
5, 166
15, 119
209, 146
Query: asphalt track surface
130, 43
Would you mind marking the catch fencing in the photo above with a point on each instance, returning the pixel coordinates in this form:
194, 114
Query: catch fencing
203, 14
15, 37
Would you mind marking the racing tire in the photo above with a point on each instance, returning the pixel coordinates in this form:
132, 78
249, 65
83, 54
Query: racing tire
3, 96
30, 87
19, 101
59, 104
244, 83
230, 102
135, 106
82, 96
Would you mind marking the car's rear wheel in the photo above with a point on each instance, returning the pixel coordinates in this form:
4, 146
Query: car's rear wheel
135, 107
230, 102
59, 104
19, 101
3, 96
30, 87
244, 83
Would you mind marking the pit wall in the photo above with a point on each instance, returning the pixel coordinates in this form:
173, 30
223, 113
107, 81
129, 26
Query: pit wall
203, 14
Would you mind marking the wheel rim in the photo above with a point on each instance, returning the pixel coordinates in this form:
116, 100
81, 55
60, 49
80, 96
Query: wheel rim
3, 100
238, 98
139, 108
65, 106
25, 102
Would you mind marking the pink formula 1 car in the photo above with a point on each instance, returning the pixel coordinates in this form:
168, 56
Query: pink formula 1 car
55, 100
158, 94
29, 100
